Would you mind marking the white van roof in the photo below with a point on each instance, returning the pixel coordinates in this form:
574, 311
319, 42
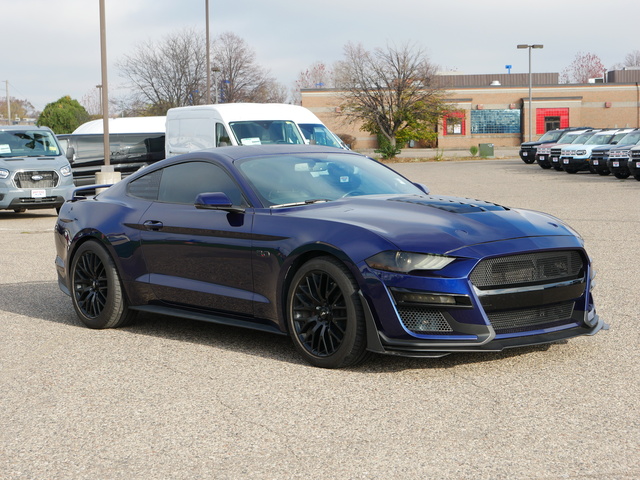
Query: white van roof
125, 125
256, 111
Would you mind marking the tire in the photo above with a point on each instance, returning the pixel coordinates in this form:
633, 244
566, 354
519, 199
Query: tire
571, 170
604, 173
96, 290
637, 176
19, 210
324, 315
621, 175
544, 166
529, 161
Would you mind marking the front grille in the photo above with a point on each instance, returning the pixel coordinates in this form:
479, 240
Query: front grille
423, 320
556, 151
36, 179
534, 318
528, 269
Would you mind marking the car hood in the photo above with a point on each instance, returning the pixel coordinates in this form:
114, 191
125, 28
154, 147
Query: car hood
437, 224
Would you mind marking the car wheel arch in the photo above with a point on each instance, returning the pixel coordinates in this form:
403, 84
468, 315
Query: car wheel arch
302, 257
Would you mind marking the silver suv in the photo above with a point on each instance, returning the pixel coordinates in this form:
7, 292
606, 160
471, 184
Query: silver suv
34, 172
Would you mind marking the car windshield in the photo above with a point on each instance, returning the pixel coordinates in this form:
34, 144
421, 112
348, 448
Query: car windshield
580, 139
265, 132
600, 139
630, 138
318, 134
28, 143
551, 135
306, 178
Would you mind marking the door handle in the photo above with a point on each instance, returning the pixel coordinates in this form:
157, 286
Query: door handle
153, 225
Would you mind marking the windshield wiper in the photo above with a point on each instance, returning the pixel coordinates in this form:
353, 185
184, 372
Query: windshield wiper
306, 202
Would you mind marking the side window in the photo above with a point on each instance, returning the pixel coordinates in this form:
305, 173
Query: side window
222, 137
183, 182
146, 187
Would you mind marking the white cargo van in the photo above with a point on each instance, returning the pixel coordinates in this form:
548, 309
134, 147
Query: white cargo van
207, 126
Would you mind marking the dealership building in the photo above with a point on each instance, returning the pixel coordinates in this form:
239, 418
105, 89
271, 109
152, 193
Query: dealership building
494, 109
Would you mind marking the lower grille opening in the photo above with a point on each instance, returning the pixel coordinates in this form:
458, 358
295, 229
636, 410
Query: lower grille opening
423, 320
514, 321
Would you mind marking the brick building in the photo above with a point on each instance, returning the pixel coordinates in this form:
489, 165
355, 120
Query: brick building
495, 108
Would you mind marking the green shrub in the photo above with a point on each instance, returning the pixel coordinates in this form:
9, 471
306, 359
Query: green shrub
473, 150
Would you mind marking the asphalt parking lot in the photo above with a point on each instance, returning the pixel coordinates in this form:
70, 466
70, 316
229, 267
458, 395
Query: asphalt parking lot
175, 399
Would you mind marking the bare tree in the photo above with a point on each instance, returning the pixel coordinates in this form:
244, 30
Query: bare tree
318, 75
19, 109
239, 77
390, 90
169, 74
632, 59
583, 67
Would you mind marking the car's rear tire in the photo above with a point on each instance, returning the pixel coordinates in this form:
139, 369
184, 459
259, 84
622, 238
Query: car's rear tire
96, 289
324, 314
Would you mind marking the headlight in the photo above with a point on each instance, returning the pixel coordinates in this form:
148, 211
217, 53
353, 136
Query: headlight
4, 173
65, 171
405, 262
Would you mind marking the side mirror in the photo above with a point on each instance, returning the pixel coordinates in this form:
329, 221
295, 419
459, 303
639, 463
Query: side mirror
422, 187
216, 201
71, 154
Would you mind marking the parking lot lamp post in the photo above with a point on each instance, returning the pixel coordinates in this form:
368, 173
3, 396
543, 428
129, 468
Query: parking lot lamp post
208, 95
530, 47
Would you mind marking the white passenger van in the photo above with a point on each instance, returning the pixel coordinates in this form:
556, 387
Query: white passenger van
207, 126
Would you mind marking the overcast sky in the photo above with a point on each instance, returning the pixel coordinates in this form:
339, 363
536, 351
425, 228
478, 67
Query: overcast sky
51, 48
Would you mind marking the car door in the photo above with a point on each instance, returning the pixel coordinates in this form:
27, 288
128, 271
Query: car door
198, 258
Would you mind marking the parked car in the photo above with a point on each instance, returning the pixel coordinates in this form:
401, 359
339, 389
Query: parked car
575, 157
634, 163
34, 173
134, 142
544, 157
598, 163
326, 245
618, 158
528, 149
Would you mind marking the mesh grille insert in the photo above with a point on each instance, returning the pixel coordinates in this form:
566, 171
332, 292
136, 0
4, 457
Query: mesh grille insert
36, 179
531, 318
424, 320
539, 267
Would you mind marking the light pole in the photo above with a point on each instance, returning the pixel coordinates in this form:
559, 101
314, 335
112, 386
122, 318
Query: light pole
530, 47
208, 95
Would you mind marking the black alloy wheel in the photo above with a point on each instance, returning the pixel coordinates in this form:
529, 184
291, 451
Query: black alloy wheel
324, 314
96, 290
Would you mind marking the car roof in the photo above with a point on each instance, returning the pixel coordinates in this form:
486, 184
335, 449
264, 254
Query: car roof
22, 127
237, 152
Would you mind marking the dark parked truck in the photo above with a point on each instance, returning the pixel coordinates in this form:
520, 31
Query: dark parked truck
599, 161
34, 172
543, 152
634, 162
134, 142
575, 157
528, 149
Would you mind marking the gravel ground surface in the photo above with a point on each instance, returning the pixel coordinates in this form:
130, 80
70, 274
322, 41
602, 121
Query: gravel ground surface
175, 399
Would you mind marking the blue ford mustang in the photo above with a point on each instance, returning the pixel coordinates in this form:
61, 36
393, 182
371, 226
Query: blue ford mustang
337, 250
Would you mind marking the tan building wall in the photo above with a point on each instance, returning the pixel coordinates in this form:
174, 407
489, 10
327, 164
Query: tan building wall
597, 105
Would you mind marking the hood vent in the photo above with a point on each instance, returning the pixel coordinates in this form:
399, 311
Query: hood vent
453, 205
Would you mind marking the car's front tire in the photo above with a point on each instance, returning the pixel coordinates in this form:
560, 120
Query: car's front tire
96, 290
324, 314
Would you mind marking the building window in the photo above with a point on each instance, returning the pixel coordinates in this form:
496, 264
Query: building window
454, 124
550, 119
495, 121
